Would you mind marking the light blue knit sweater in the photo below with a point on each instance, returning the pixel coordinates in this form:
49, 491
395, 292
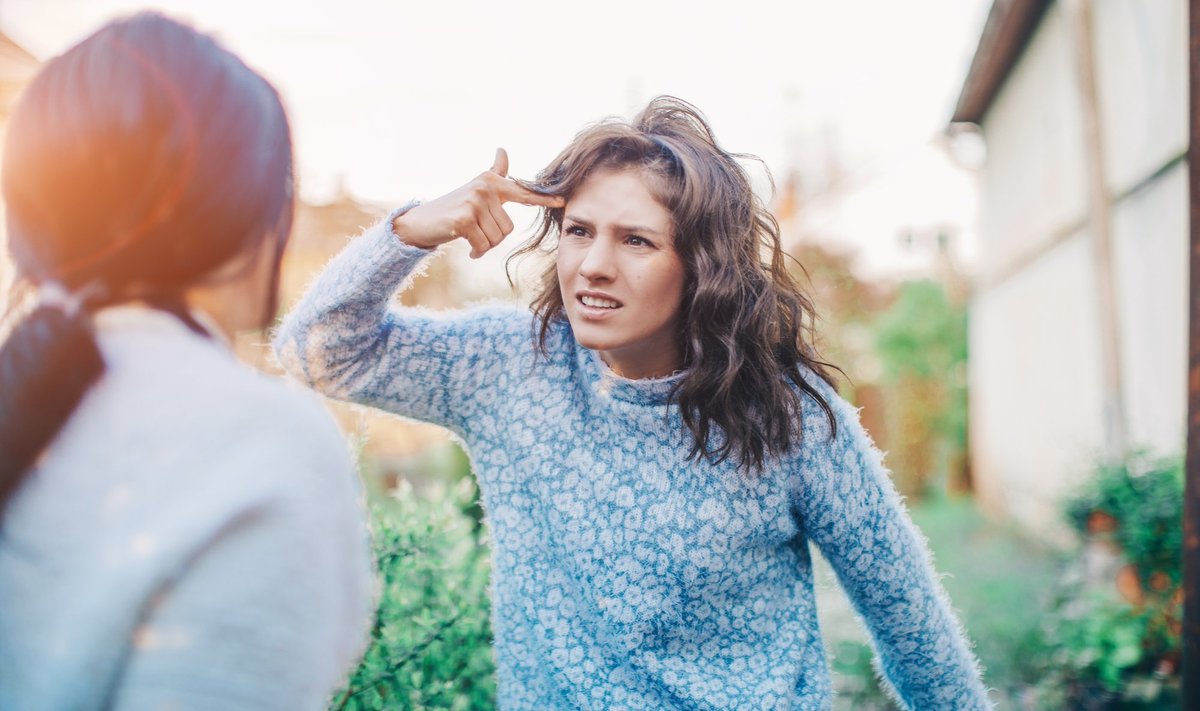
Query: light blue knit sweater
626, 576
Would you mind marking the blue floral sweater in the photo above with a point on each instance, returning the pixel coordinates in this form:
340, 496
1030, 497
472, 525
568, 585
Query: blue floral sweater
624, 575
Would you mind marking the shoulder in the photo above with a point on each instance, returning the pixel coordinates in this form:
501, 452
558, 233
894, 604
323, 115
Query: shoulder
285, 419
836, 455
822, 407
190, 401
180, 442
279, 434
830, 424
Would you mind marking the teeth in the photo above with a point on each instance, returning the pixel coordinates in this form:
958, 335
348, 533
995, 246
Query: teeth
598, 302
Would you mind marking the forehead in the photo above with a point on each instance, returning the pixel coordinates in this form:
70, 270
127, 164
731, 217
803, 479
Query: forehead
618, 197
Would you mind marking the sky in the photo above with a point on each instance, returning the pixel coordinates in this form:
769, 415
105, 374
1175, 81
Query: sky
395, 98
392, 100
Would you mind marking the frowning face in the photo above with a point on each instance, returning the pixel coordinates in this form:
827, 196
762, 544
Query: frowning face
622, 281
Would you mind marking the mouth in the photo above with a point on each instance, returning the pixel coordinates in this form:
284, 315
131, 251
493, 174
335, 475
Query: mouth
595, 305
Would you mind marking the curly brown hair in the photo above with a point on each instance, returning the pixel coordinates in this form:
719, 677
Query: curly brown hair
746, 331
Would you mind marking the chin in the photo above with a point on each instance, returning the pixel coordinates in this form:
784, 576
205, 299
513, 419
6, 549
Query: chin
586, 336
592, 343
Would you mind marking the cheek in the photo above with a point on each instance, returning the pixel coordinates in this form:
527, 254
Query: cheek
668, 286
563, 267
662, 288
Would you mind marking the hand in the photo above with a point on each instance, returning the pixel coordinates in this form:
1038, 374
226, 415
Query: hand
473, 212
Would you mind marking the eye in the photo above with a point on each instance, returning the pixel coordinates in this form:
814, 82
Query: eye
638, 241
575, 231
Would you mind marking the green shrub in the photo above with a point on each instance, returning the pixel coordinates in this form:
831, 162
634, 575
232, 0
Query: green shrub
1117, 646
1145, 498
921, 341
431, 643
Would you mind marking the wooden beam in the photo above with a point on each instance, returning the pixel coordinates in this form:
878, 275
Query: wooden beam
1080, 26
1191, 494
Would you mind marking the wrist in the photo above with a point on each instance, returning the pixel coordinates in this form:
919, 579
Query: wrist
397, 226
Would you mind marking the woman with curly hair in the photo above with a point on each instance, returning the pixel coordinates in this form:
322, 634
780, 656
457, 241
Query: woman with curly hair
655, 445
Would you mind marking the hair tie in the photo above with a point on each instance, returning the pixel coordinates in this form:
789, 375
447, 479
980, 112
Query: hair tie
55, 294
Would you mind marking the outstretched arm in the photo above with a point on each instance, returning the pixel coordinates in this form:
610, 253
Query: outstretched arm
343, 338
851, 511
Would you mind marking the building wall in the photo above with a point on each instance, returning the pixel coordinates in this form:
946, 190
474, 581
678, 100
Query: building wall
1034, 179
1150, 230
1035, 380
1141, 48
1141, 57
1036, 358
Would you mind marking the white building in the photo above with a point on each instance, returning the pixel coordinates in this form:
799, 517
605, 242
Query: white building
1057, 378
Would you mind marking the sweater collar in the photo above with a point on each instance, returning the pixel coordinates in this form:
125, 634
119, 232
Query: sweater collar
129, 316
607, 384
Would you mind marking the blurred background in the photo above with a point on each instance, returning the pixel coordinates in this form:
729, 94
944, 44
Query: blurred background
989, 201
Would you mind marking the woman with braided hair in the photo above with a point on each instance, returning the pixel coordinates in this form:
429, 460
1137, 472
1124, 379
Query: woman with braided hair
177, 530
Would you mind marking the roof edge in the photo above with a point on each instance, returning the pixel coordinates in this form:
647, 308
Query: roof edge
1009, 26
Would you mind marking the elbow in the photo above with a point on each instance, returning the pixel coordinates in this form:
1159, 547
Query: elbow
286, 345
313, 356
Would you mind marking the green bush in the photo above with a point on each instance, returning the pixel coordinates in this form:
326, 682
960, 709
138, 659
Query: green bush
921, 341
431, 643
1145, 498
1118, 645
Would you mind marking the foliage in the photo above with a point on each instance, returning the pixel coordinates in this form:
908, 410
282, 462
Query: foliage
1103, 653
1046, 637
846, 305
1144, 497
904, 350
922, 343
431, 643
1117, 645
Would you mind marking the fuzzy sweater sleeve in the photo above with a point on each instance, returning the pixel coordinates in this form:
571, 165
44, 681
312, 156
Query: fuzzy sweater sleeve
850, 509
347, 341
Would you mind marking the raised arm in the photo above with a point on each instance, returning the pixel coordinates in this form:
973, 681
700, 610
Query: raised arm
345, 341
851, 511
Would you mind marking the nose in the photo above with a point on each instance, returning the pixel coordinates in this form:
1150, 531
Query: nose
597, 263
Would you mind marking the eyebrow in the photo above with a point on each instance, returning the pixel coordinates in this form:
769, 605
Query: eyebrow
620, 228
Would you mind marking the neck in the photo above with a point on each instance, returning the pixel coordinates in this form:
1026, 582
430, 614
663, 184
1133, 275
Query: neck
236, 298
227, 307
640, 366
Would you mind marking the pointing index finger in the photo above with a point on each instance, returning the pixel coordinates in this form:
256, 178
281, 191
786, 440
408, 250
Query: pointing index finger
500, 165
512, 191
